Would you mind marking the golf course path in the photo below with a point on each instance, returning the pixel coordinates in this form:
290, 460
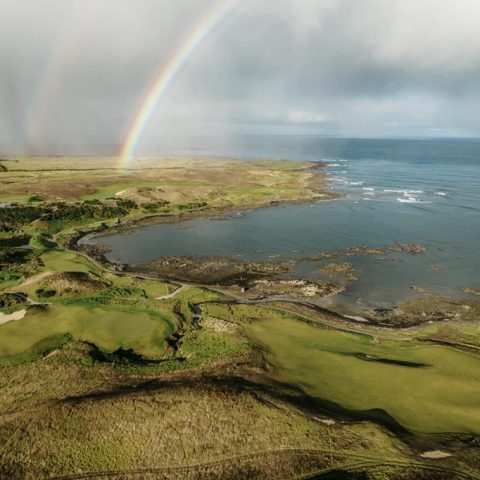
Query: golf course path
171, 295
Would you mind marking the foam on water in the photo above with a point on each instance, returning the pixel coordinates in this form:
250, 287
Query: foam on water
410, 179
402, 190
411, 200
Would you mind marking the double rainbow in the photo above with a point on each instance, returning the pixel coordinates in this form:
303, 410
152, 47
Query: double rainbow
167, 75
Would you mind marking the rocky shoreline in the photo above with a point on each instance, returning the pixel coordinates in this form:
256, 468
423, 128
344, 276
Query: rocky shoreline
256, 280
253, 281
274, 278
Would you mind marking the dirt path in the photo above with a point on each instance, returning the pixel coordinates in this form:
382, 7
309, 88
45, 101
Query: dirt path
36, 278
183, 286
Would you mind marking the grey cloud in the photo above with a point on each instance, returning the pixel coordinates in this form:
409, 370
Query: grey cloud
73, 73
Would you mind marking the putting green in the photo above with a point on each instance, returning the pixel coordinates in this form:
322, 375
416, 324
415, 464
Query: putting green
345, 368
109, 329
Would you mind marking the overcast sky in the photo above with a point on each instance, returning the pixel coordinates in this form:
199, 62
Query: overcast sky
72, 72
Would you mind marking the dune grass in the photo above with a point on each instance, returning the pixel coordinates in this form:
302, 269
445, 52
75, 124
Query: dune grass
215, 181
183, 302
153, 288
104, 192
172, 424
61, 416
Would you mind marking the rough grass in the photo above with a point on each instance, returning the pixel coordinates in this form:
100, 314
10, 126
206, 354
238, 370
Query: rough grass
180, 180
65, 414
153, 288
204, 346
14, 197
60, 417
104, 192
10, 278
172, 422
183, 302
63, 285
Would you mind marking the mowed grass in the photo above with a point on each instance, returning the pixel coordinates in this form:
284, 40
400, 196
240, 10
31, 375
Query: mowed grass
63, 261
19, 198
326, 363
108, 328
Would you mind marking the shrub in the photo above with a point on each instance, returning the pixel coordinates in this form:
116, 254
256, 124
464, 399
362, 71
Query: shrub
41, 293
191, 205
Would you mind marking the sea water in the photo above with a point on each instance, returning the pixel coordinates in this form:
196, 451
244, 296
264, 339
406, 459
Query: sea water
416, 191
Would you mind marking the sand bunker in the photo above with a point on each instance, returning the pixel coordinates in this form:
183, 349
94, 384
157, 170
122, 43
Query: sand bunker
435, 454
18, 315
326, 421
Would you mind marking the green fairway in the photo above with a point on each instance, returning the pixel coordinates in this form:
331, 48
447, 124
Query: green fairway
357, 373
45, 327
19, 198
63, 261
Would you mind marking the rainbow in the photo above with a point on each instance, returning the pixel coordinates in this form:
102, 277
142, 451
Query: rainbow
167, 75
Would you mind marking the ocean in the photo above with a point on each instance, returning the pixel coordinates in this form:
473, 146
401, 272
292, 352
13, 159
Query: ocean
419, 191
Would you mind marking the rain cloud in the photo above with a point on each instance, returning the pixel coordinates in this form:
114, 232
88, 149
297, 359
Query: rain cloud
73, 74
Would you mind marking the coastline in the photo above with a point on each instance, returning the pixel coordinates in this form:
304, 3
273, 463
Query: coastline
256, 280
261, 283
239, 309
77, 242
203, 212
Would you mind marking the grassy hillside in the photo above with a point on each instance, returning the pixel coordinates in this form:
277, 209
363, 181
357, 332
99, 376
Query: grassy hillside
106, 373
413, 382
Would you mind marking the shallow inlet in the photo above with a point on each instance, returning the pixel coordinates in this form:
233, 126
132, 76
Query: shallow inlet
321, 227
440, 180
